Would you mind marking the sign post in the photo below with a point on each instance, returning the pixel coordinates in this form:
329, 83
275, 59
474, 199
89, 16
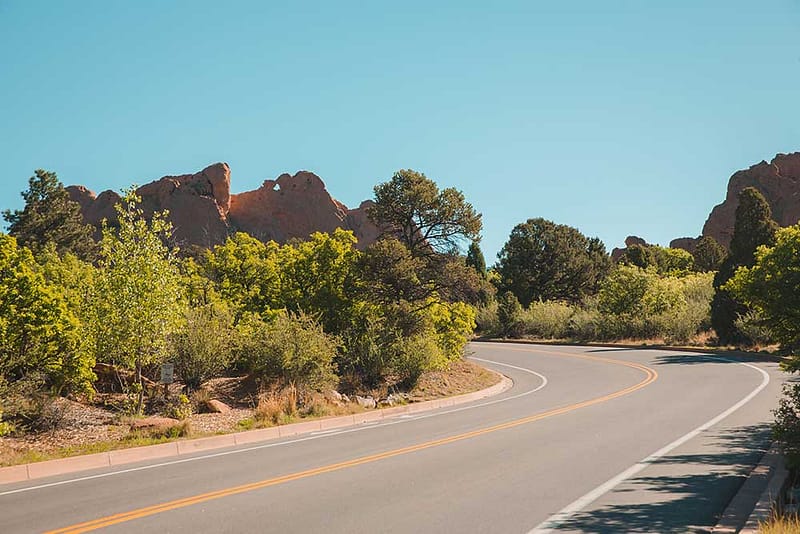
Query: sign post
167, 376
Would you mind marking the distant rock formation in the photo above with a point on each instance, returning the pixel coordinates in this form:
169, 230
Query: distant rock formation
296, 206
204, 212
778, 181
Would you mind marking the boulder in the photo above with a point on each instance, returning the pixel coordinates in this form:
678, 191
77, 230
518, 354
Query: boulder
216, 406
154, 423
366, 402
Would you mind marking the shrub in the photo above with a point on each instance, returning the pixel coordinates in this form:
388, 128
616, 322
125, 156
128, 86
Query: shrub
202, 346
754, 328
786, 428
487, 321
410, 356
276, 407
292, 349
548, 320
585, 323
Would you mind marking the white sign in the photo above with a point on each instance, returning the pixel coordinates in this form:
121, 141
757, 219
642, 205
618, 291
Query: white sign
167, 372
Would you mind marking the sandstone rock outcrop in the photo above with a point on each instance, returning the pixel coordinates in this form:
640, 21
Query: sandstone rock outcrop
204, 212
631, 240
296, 206
778, 181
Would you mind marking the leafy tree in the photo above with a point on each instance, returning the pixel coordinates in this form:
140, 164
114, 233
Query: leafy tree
670, 261
673, 261
708, 254
318, 277
139, 291
638, 256
752, 228
771, 287
411, 207
38, 334
546, 261
475, 258
49, 216
246, 271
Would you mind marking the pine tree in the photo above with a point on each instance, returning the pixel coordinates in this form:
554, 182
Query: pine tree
708, 254
50, 216
752, 228
475, 258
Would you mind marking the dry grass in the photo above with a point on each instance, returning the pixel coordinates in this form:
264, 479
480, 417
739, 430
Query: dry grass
777, 524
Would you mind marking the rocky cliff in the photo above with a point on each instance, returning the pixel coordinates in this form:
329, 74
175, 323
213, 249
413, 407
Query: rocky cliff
778, 181
204, 212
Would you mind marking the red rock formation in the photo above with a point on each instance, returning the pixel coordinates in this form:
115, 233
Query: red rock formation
204, 213
778, 181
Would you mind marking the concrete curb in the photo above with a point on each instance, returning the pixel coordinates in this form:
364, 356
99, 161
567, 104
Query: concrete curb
21, 473
754, 501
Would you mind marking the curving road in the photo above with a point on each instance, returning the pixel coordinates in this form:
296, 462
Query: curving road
587, 440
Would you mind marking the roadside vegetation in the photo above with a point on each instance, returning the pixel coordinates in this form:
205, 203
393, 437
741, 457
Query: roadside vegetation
310, 326
319, 327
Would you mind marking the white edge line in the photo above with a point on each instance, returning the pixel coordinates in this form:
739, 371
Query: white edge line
395, 420
563, 515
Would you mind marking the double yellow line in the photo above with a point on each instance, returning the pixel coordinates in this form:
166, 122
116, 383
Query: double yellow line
650, 377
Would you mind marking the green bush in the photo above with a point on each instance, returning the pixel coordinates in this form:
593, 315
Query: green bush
585, 323
292, 349
487, 321
202, 346
786, 428
754, 328
547, 320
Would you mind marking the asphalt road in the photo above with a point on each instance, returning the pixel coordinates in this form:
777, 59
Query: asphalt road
587, 440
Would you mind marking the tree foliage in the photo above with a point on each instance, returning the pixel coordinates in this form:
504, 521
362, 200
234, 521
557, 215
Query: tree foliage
50, 216
546, 261
139, 291
772, 287
708, 254
752, 228
475, 258
411, 208
38, 334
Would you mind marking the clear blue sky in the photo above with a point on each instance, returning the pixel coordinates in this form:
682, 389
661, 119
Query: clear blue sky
615, 117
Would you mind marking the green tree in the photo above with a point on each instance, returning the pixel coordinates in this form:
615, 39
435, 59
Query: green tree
139, 291
546, 261
509, 315
49, 216
771, 287
638, 256
708, 254
411, 207
246, 272
752, 228
475, 258
318, 277
38, 334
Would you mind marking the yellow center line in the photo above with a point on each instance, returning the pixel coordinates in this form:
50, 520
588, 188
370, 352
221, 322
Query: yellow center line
650, 376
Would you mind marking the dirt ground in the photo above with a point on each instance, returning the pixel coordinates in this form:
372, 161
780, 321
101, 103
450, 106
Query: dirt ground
84, 428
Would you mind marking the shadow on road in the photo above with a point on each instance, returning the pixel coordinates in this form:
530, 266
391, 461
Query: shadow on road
679, 503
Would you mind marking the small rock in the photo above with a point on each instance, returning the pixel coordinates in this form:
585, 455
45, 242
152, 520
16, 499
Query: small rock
153, 423
366, 402
345, 398
334, 395
217, 406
